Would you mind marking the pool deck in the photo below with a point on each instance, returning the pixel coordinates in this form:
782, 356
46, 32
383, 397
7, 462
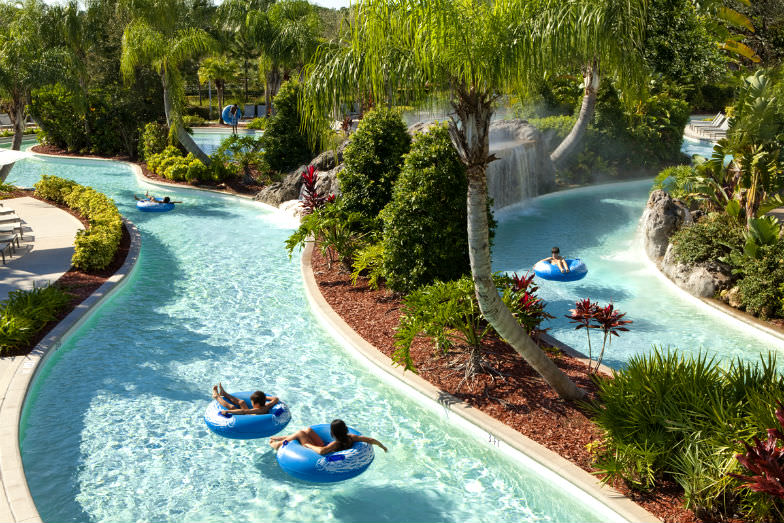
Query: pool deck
45, 251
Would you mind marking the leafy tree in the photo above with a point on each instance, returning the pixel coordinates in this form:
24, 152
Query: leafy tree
156, 37
372, 161
284, 144
219, 70
474, 51
424, 224
26, 62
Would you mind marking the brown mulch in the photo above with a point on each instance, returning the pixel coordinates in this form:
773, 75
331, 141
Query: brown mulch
520, 399
79, 284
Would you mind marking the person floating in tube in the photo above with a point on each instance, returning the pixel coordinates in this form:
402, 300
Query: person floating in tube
343, 440
557, 260
260, 402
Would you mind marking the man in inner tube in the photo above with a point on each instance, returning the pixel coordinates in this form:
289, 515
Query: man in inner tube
260, 402
557, 260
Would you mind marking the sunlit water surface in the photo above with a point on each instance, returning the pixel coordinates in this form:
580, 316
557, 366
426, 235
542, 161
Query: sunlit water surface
600, 225
112, 429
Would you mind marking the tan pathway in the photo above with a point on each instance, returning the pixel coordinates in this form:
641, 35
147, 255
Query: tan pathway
44, 256
46, 249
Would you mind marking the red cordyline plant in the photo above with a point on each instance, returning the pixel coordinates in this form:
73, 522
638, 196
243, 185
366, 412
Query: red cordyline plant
589, 315
765, 462
312, 200
528, 309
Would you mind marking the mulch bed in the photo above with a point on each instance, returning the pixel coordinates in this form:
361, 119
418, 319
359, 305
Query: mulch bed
521, 399
79, 284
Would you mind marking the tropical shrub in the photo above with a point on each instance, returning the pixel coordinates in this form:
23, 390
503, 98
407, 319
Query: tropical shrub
761, 286
334, 228
425, 237
24, 313
680, 182
710, 238
285, 146
193, 121
372, 162
155, 138
244, 153
667, 416
589, 315
258, 124
447, 313
369, 261
95, 247
519, 294
172, 165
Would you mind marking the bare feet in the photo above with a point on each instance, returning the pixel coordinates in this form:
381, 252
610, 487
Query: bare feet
277, 438
276, 444
220, 389
215, 391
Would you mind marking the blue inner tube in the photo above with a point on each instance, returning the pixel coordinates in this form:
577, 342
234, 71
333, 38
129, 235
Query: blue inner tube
548, 271
308, 465
156, 206
228, 118
246, 426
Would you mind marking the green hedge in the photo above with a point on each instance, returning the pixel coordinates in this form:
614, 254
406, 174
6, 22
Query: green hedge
24, 313
372, 162
425, 236
285, 145
711, 238
171, 164
95, 247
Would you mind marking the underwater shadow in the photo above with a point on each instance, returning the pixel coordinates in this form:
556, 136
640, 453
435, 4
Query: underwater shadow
391, 503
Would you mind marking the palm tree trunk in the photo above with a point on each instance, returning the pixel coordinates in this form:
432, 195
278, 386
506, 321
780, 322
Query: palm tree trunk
17, 118
472, 142
575, 137
175, 120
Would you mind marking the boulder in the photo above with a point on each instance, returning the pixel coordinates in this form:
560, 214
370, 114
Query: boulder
327, 182
663, 216
292, 208
280, 192
704, 279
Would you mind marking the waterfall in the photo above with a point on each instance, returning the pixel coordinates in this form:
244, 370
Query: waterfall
512, 178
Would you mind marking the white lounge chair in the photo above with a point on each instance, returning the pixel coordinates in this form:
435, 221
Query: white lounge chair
712, 123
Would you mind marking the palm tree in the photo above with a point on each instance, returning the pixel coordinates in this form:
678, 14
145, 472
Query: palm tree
287, 35
219, 70
26, 62
474, 50
154, 38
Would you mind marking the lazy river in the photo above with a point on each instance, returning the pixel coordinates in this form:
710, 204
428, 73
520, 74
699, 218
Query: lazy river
600, 225
112, 429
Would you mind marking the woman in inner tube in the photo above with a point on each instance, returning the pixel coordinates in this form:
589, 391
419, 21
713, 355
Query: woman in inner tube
309, 439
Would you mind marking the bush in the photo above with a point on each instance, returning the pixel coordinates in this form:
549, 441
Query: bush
425, 236
155, 138
258, 124
193, 121
24, 313
199, 112
96, 247
445, 312
285, 146
711, 238
245, 152
104, 121
372, 162
369, 261
679, 182
761, 288
670, 417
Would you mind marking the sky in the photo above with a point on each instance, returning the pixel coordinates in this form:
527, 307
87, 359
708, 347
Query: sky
334, 4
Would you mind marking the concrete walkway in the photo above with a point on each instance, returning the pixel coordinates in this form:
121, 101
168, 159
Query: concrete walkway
46, 249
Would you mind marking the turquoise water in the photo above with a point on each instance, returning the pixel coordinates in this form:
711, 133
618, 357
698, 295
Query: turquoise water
113, 430
600, 225
209, 141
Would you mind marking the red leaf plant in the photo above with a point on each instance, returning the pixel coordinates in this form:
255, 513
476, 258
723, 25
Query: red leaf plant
765, 462
589, 315
529, 310
311, 199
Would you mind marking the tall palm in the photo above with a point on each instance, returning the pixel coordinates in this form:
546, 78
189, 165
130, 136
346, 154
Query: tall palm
219, 70
474, 50
26, 62
154, 38
287, 34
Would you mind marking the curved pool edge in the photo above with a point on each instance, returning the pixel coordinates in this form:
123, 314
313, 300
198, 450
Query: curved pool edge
16, 502
477, 422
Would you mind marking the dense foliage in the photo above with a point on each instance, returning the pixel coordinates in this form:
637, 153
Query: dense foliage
711, 238
373, 160
671, 417
155, 138
24, 313
425, 236
95, 247
285, 145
